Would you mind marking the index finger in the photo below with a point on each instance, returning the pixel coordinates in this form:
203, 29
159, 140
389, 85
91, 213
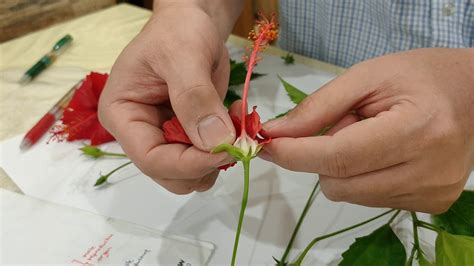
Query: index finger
367, 145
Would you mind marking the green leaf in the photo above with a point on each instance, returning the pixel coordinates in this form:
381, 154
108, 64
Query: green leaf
459, 219
288, 59
238, 72
295, 94
381, 247
422, 261
454, 249
230, 98
230, 149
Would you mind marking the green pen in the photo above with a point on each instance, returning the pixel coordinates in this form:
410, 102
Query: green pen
47, 59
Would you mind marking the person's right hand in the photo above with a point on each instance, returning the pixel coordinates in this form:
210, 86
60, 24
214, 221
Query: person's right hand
177, 64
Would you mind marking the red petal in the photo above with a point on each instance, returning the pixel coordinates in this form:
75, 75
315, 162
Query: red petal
263, 137
100, 135
98, 82
87, 95
253, 125
79, 125
237, 124
84, 98
174, 132
226, 166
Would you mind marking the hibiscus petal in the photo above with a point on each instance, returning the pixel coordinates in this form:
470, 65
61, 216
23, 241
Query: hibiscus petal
82, 128
86, 97
253, 125
174, 132
98, 82
226, 166
100, 135
237, 124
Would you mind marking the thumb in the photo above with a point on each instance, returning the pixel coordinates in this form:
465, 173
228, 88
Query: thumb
198, 106
324, 107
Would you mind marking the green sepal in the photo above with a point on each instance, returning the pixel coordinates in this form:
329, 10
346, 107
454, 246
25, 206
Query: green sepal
95, 152
92, 151
101, 180
230, 149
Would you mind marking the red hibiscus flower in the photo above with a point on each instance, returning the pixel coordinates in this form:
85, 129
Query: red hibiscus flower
80, 119
174, 132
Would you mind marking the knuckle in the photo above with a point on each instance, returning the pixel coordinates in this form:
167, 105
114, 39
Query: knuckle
338, 165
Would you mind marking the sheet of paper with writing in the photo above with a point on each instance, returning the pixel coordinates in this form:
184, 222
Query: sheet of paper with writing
37, 232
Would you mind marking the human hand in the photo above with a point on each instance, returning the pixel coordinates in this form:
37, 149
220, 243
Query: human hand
415, 148
177, 64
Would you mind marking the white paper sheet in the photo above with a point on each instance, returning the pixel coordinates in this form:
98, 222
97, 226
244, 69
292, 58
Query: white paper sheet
58, 173
37, 232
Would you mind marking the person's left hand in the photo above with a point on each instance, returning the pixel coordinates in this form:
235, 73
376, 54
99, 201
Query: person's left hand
414, 150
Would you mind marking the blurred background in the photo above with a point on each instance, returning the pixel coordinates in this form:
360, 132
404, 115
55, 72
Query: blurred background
19, 17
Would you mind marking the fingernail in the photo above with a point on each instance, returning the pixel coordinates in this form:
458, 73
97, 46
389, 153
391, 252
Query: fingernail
274, 123
213, 132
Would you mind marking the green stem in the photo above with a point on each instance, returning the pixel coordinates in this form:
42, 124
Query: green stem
317, 239
246, 163
416, 243
412, 255
415, 229
112, 154
309, 202
393, 217
428, 226
101, 180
